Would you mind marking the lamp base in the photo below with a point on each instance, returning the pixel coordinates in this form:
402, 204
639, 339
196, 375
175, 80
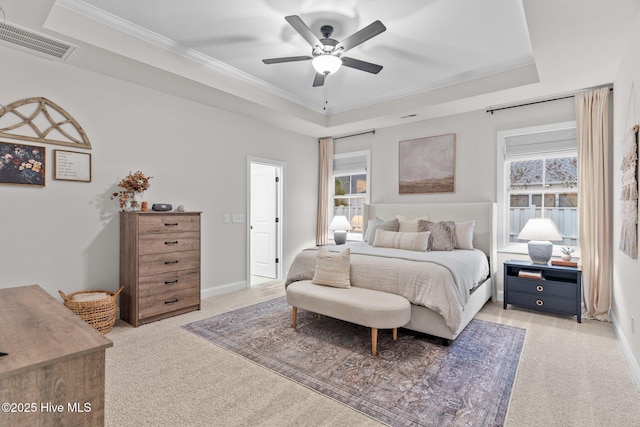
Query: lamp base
540, 251
340, 237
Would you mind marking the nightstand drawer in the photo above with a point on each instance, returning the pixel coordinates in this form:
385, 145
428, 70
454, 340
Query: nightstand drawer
158, 223
158, 243
542, 287
541, 302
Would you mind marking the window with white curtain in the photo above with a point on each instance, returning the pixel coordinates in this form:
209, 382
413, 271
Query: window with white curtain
538, 177
351, 190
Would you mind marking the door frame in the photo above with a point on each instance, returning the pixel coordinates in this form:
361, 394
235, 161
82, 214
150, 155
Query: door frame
280, 165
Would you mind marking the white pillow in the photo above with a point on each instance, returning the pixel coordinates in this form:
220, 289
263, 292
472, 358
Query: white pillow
372, 224
464, 234
388, 225
410, 225
332, 269
399, 240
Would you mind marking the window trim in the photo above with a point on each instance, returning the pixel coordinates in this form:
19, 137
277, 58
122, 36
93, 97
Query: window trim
367, 171
501, 189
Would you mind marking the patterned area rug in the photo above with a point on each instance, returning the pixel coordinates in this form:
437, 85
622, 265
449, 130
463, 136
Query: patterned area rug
414, 381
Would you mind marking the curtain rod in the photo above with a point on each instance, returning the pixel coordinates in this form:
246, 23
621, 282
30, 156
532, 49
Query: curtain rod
491, 110
356, 134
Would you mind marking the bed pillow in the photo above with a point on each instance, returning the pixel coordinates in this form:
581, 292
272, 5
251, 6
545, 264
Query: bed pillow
399, 240
408, 224
464, 234
372, 224
442, 234
389, 225
332, 269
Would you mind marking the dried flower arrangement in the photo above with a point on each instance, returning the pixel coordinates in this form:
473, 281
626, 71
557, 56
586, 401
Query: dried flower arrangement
134, 182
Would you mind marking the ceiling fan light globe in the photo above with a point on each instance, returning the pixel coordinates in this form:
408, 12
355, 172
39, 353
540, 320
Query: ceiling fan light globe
326, 64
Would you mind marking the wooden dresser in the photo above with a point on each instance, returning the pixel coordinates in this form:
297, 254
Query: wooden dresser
54, 372
159, 265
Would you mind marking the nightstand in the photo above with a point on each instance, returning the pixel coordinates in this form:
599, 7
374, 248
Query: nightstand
548, 288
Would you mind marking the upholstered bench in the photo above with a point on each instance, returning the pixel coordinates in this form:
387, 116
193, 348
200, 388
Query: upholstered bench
365, 307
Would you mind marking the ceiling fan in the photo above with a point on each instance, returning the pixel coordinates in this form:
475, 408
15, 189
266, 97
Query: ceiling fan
326, 54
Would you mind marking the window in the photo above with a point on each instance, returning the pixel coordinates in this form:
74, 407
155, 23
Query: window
539, 179
351, 191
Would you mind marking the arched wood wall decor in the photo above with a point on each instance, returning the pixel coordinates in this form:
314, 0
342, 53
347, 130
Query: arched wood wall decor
41, 120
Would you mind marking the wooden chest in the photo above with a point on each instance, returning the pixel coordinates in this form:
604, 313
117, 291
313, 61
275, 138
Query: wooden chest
159, 265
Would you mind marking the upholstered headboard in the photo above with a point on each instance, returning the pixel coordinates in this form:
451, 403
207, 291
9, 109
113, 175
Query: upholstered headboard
484, 237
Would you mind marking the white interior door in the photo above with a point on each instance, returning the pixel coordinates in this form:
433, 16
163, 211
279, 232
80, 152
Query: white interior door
263, 220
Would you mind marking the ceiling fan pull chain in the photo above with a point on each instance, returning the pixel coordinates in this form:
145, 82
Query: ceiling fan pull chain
325, 98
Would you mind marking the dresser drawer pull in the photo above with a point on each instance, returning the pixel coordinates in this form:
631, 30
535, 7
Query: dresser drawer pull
175, 242
170, 224
170, 282
171, 301
539, 302
539, 288
170, 262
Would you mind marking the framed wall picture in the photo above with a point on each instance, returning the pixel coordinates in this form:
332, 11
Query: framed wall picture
71, 166
22, 164
427, 165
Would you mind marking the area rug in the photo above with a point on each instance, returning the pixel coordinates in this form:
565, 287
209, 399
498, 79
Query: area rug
414, 381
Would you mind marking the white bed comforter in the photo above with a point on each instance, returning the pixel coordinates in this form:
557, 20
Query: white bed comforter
438, 280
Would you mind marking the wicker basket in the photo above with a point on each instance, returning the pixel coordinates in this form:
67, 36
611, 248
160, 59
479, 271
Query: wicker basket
101, 314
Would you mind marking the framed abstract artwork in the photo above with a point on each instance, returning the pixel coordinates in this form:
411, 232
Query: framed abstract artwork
22, 164
427, 165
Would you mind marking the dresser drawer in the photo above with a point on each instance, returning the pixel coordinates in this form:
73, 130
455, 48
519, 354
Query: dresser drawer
168, 282
166, 302
158, 223
169, 262
542, 302
542, 287
157, 243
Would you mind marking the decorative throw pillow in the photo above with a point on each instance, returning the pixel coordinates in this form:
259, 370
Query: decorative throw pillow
372, 224
332, 269
442, 234
464, 234
389, 225
399, 240
408, 224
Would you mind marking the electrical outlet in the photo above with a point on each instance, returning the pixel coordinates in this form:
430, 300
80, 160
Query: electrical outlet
227, 218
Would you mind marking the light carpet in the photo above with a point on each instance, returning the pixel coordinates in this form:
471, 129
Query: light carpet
413, 381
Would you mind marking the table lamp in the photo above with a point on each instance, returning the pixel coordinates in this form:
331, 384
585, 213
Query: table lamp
539, 232
340, 225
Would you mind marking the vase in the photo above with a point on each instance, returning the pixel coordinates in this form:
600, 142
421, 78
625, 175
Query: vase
566, 257
136, 201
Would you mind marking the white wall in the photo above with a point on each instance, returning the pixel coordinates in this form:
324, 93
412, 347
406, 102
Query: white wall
66, 235
626, 286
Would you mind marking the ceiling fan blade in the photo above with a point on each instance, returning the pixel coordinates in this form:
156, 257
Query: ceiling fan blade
286, 59
361, 65
318, 80
298, 24
361, 36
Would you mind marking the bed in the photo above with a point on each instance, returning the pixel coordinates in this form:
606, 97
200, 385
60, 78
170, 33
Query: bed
445, 288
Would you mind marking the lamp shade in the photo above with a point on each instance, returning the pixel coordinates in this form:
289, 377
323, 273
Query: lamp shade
540, 229
356, 222
340, 223
326, 63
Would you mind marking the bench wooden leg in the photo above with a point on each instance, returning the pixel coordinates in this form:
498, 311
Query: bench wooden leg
294, 317
374, 341
395, 334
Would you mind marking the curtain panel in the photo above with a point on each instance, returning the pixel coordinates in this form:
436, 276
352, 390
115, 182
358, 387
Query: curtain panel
324, 190
594, 200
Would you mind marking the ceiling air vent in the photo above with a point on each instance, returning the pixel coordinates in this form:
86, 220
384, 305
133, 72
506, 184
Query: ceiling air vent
27, 40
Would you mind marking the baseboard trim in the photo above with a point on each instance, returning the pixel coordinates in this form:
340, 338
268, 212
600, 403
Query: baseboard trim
626, 350
222, 289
